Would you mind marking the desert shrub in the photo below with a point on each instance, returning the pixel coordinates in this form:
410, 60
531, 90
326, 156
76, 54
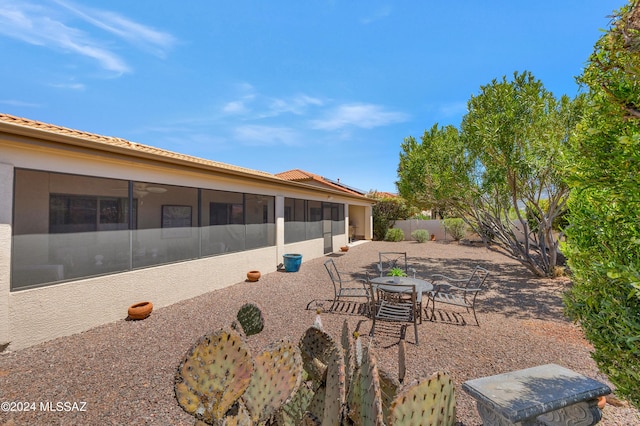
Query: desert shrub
455, 227
421, 235
394, 234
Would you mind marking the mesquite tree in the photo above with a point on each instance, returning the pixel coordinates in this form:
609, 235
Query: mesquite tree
508, 154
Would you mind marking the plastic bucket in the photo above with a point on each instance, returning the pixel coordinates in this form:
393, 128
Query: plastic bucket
292, 262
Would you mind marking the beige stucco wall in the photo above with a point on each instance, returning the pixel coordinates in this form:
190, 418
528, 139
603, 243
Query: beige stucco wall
40, 314
6, 193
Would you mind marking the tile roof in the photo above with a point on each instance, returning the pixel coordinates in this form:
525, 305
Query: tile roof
110, 141
298, 175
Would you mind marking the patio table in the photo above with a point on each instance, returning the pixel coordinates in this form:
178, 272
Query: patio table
387, 283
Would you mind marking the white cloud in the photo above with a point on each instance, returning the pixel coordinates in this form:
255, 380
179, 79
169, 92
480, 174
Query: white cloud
259, 135
366, 116
377, 15
50, 28
296, 105
250, 101
135, 33
235, 107
72, 86
18, 103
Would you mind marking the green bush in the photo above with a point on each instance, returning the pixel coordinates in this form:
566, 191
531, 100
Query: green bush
394, 234
385, 212
603, 238
455, 227
421, 235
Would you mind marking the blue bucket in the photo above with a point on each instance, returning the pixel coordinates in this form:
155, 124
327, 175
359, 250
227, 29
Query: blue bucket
292, 262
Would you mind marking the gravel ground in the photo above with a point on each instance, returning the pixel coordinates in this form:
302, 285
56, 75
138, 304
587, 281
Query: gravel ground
124, 371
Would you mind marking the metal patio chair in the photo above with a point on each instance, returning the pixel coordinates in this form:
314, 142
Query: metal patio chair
394, 259
458, 292
344, 288
395, 303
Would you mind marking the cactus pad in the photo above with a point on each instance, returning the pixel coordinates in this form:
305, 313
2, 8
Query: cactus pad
277, 374
213, 375
365, 400
251, 319
292, 412
430, 401
335, 388
389, 386
316, 346
348, 347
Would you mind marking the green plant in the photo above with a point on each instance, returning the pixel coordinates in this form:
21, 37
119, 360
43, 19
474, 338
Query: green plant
385, 212
394, 234
603, 238
456, 227
396, 272
421, 235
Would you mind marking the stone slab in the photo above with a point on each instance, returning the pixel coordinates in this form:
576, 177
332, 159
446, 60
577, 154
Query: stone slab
528, 393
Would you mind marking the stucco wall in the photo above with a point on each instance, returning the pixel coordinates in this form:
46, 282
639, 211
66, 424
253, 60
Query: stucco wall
6, 192
45, 313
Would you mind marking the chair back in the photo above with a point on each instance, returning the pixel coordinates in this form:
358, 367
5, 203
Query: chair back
477, 278
390, 260
399, 304
334, 274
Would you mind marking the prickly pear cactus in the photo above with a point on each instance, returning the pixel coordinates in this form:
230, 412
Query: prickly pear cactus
335, 388
365, 399
316, 347
430, 401
310, 420
251, 319
348, 347
292, 412
316, 406
213, 375
389, 387
277, 374
237, 416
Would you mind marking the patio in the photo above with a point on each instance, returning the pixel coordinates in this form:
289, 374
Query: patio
125, 371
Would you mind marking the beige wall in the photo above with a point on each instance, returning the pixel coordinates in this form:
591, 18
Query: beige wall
6, 197
45, 313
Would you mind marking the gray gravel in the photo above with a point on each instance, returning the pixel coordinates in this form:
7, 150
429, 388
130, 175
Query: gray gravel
124, 371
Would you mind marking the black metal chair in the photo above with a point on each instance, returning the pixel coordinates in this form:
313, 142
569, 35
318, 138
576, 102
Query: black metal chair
458, 292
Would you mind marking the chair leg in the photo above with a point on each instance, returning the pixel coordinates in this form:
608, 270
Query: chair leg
475, 317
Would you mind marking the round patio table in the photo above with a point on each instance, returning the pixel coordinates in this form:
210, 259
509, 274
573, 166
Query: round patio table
387, 284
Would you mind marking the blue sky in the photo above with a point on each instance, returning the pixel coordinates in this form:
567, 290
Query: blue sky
331, 87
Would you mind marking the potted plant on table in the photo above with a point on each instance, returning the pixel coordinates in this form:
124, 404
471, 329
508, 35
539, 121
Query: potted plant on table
396, 273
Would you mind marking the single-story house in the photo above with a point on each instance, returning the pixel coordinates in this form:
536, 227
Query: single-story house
91, 224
